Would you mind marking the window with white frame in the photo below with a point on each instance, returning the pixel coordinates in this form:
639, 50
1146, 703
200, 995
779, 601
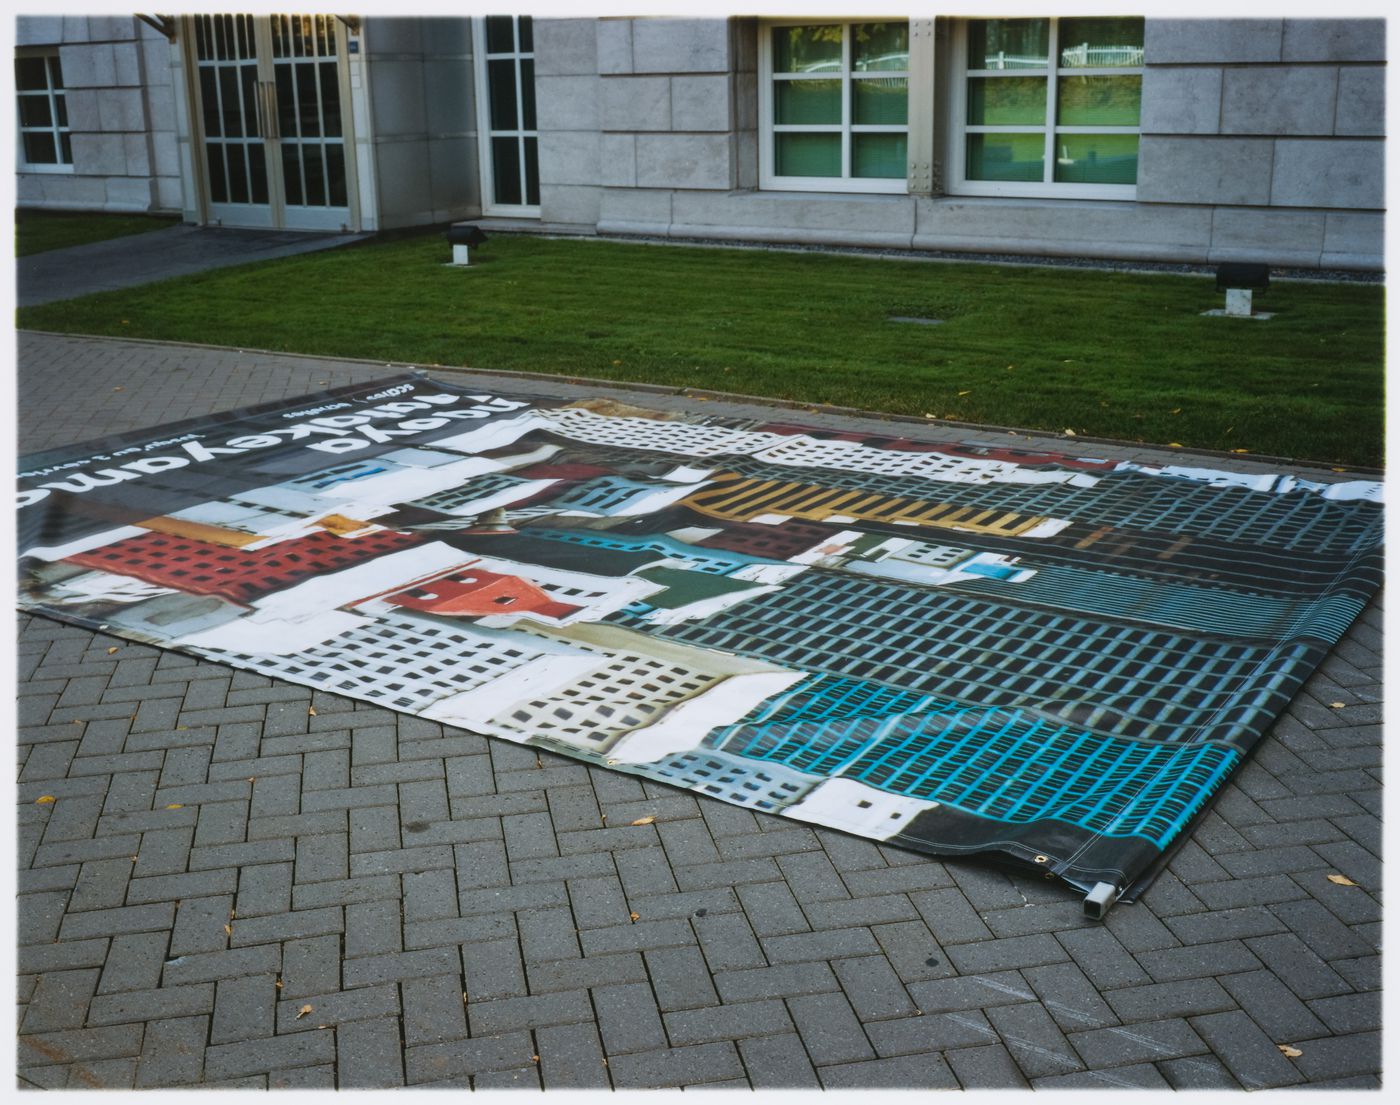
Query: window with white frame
509, 141
834, 106
43, 113
1048, 107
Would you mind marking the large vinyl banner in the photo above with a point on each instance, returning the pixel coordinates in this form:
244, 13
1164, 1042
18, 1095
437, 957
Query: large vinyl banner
957, 648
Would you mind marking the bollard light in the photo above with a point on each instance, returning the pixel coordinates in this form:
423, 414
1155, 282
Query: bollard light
462, 237
1239, 280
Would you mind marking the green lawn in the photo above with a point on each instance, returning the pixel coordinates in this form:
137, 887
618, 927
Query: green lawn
1106, 354
38, 231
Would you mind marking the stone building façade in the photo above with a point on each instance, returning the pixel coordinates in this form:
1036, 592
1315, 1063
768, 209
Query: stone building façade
1162, 139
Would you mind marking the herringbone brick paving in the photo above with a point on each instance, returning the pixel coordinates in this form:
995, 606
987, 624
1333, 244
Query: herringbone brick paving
243, 883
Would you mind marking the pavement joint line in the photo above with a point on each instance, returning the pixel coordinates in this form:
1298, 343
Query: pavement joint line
1059, 1006
995, 1034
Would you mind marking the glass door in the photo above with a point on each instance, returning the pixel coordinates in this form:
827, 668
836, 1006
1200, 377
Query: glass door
310, 133
270, 101
509, 142
230, 99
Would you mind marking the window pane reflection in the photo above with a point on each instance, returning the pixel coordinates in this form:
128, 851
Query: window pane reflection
1006, 101
1100, 43
807, 49
879, 155
877, 46
1008, 43
1096, 158
809, 102
1006, 157
807, 154
883, 101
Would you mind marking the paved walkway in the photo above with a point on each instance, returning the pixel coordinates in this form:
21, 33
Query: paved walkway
157, 255
247, 883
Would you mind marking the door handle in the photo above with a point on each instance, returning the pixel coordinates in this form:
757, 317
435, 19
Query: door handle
267, 110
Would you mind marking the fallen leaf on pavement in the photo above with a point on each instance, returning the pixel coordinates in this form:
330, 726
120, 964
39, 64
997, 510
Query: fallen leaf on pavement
111, 650
44, 800
305, 1009
1291, 1052
175, 806
635, 916
311, 710
1340, 880
644, 821
1337, 705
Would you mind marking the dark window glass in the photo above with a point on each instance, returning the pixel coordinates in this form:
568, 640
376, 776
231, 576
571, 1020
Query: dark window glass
237, 175
209, 99
34, 111
67, 145
257, 172
335, 175
291, 173
39, 148
218, 183
30, 75
501, 77
500, 35
228, 90
249, 73
527, 93
505, 169
532, 171
330, 99
308, 109
527, 35
315, 176
286, 102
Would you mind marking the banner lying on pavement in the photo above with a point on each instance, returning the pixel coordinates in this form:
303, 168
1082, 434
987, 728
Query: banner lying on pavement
954, 647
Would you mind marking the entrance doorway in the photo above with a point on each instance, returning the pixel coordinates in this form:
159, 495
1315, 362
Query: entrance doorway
270, 94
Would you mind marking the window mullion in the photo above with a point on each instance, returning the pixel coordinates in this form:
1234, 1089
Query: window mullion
53, 111
519, 108
1051, 100
847, 60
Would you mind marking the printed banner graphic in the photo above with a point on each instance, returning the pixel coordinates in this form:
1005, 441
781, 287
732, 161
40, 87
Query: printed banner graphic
956, 648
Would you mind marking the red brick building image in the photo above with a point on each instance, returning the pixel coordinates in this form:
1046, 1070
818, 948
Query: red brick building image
477, 593
238, 575
774, 542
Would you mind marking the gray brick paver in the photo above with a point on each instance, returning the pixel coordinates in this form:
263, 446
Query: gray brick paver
764, 954
370, 1054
